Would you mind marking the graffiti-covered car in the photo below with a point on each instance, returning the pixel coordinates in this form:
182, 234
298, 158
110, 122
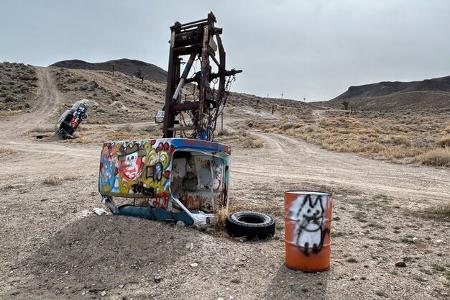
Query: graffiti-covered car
169, 179
71, 119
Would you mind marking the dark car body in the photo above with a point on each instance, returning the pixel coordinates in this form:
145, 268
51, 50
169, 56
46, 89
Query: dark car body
71, 119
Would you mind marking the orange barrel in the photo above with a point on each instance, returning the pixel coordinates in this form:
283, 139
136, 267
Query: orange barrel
307, 230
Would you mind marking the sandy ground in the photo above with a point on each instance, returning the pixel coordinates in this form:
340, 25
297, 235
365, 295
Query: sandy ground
53, 246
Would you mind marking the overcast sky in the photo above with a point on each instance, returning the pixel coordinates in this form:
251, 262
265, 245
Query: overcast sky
304, 49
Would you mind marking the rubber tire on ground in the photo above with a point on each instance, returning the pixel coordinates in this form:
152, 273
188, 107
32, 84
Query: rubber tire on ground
250, 224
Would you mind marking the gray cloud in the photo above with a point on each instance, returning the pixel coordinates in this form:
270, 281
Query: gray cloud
311, 49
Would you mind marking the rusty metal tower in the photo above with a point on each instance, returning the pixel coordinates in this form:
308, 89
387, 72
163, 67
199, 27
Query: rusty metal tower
195, 116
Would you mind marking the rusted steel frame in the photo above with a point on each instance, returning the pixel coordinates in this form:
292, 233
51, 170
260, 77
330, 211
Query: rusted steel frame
194, 24
204, 77
177, 73
196, 78
188, 49
211, 53
217, 30
176, 107
226, 73
211, 18
169, 118
221, 72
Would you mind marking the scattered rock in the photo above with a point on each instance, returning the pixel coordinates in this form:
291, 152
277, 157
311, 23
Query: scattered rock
99, 211
236, 280
157, 278
194, 265
103, 293
400, 264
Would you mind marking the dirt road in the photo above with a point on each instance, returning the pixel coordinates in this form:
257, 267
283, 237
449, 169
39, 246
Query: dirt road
54, 247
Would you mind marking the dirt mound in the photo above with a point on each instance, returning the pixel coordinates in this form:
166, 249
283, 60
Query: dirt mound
117, 250
127, 66
391, 96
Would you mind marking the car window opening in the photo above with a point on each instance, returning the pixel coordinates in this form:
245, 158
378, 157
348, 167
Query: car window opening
198, 180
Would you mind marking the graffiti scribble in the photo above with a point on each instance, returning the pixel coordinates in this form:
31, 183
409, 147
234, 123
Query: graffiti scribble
309, 213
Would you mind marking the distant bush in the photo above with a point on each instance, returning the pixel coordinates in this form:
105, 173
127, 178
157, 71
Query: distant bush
444, 141
252, 143
436, 157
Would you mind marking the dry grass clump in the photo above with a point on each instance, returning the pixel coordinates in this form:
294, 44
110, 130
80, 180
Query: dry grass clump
399, 136
6, 151
444, 141
435, 157
57, 180
240, 137
69, 177
400, 151
439, 213
251, 142
53, 180
222, 215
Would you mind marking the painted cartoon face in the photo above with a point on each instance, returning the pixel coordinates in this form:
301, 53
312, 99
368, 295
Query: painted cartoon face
131, 166
311, 213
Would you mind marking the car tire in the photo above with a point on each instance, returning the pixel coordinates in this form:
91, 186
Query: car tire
250, 224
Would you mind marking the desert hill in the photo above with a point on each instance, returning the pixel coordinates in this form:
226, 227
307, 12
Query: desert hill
391, 96
124, 65
17, 84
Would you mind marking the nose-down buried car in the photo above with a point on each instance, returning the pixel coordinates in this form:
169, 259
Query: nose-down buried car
178, 179
71, 119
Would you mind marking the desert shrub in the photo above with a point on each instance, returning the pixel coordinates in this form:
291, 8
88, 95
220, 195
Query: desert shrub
53, 180
444, 141
439, 213
373, 147
400, 151
399, 140
286, 126
251, 142
6, 151
435, 157
221, 214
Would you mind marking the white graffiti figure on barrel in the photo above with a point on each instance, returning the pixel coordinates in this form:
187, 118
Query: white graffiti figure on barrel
309, 213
